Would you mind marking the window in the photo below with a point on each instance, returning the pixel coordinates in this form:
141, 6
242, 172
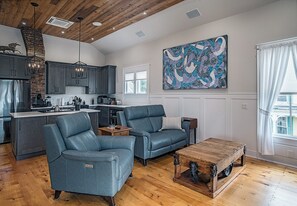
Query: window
136, 80
281, 124
284, 113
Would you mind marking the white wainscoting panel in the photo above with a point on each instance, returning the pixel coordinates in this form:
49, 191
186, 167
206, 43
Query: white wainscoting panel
227, 116
243, 122
172, 106
191, 107
156, 100
214, 118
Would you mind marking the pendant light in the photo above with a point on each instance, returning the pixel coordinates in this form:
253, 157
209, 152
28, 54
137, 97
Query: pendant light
79, 65
33, 64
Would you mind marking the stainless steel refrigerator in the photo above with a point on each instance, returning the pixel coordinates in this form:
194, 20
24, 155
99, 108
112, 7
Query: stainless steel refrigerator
14, 97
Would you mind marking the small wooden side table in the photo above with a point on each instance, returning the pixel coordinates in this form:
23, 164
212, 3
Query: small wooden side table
116, 131
193, 125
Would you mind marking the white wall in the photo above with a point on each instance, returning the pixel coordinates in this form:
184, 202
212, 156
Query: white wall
11, 35
61, 50
228, 113
65, 50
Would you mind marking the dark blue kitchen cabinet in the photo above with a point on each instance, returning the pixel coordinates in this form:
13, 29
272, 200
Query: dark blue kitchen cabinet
55, 78
108, 80
13, 67
76, 78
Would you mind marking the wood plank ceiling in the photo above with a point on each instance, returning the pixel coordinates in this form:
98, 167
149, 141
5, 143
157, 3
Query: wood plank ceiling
113, 14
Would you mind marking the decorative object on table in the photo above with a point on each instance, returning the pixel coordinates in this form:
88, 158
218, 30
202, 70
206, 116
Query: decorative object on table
79, 65
11, 48
196, 65
34, 61
48, 101
77, 103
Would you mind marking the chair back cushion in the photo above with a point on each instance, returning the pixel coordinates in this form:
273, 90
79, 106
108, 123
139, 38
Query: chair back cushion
156, 113
77, 132
145, 118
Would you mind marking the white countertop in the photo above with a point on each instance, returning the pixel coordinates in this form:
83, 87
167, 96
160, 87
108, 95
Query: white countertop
90, 105
40, 114
110, 105
45, 108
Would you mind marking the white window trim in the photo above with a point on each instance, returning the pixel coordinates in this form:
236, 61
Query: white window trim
134, 69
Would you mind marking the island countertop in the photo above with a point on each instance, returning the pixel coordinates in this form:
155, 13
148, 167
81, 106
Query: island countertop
40, 114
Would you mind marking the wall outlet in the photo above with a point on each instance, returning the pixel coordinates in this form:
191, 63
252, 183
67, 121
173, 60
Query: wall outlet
244, 106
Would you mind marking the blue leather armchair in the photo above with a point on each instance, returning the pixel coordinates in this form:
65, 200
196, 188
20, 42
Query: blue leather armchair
81, 162
146, 121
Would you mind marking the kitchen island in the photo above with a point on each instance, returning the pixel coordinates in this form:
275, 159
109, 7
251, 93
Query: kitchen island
27, 139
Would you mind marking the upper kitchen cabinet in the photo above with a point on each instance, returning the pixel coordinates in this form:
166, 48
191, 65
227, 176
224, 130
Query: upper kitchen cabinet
102, 80
76, 78
93, 81
55, 78
108, 80
13, 67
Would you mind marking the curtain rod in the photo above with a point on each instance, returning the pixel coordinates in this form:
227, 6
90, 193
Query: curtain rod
271, 43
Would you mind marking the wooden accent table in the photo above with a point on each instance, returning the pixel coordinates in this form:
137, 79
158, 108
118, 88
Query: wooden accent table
116, 131
212, 157
193, 125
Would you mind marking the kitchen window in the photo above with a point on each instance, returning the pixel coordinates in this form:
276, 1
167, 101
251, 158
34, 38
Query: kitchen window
136, 80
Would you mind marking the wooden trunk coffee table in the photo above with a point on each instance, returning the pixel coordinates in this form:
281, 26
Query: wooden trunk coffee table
205, 167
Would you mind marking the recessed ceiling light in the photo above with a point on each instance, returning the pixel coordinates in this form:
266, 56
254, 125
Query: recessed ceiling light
144, 13
24, 23
92, 39
113, 28
63, 32
97, 23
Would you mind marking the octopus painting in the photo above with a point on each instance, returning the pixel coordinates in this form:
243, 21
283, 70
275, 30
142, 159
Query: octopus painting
197, 65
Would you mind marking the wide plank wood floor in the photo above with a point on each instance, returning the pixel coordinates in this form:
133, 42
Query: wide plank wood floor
27, 183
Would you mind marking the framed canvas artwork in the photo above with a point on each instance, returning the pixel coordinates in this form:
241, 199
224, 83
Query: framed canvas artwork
196, 65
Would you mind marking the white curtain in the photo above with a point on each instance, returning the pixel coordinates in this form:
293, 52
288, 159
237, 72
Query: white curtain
294, 54
272, 64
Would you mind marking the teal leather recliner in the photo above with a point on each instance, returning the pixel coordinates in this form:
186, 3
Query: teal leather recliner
146, 122
81, 162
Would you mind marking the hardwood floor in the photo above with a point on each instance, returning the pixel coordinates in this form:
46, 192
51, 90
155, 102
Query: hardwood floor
27, 183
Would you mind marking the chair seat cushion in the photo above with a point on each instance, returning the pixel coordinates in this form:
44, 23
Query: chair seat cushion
159, 140
166, 137
125, 159
176, 135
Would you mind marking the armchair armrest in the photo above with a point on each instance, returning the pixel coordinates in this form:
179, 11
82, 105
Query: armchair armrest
117, 142
101, 159
140, 133
90, 156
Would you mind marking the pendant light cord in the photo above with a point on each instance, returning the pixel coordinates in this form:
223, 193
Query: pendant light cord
79, 41
34, 35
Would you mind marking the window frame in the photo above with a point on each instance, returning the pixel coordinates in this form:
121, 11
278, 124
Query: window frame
135, 70
289, 102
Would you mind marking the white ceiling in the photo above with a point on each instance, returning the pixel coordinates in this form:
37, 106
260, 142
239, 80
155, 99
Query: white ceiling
174, 19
